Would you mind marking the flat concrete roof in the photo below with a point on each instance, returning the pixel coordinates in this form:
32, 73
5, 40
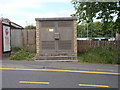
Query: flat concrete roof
56, 19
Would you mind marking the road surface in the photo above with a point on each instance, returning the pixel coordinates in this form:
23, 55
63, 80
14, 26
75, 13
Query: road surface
52, 78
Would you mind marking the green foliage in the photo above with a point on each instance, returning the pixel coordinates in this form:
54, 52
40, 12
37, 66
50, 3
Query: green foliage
30, 48
99, 55
23, 55
15, 49
30, 27
106, 11
95, 30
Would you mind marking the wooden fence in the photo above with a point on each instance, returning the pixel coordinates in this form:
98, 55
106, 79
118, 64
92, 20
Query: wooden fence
83, 45
25, 39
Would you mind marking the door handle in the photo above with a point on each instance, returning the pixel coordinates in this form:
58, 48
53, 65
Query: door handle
57, 36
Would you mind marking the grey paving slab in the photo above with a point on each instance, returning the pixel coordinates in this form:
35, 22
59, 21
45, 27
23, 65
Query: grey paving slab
60, 65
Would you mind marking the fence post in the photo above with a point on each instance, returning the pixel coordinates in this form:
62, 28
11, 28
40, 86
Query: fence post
22, 39
98, 43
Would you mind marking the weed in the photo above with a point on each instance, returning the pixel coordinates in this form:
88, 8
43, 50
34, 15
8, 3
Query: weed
15, 49
100, 55
23, 55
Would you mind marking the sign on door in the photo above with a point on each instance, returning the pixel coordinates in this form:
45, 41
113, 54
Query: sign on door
6, 38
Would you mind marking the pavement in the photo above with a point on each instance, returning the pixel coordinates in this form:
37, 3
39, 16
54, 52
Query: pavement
46, 64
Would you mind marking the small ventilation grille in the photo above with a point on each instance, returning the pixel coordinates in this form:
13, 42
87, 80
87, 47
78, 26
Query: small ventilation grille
47, 24
64, 24
65, 45
48, 45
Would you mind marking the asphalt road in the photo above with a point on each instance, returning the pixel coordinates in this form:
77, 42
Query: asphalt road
55, 79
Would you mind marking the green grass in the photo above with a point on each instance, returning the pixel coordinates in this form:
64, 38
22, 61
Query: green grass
23, 55
99, 55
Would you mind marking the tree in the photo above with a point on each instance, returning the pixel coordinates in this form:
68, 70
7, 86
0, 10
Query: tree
30, 27
105, 11
95, 30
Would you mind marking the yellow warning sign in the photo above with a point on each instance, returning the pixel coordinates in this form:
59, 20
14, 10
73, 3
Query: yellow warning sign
49, 30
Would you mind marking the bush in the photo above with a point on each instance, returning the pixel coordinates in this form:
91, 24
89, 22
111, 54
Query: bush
99, 55
23, 55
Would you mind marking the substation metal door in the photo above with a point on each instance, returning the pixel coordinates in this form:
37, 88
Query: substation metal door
56, 36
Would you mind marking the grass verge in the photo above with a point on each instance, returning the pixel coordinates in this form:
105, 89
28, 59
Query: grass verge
23, 55
100, 55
